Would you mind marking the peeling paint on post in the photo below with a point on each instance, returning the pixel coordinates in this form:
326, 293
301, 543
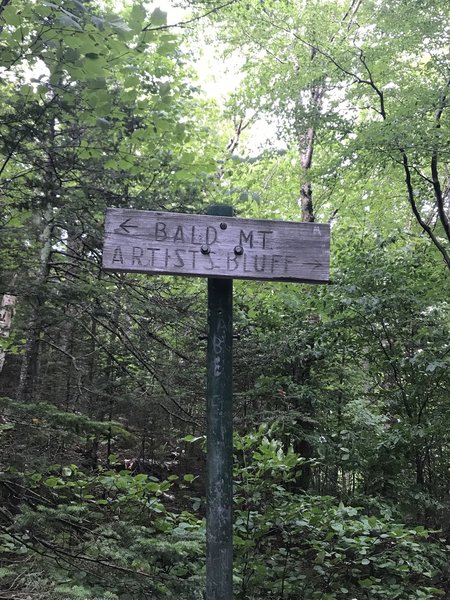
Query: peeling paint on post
219, 487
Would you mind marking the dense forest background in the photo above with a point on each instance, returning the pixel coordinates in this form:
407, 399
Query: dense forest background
339, 114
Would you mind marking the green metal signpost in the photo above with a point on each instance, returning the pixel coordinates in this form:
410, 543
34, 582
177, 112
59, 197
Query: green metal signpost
219, 483
222, 248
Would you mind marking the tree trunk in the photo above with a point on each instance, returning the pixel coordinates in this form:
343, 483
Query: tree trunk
7, 307
25, 389
306, 141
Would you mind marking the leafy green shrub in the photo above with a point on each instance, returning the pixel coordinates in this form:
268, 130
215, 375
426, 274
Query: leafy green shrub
298, 546
108, 535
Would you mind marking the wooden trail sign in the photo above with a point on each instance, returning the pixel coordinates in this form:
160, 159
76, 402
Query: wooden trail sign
215, 246
222, 248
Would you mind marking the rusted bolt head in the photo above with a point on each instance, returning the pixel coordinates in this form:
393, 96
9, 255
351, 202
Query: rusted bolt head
205, 249
223, 226
238, 250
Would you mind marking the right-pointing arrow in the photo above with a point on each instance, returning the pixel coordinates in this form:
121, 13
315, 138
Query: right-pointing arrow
315, 264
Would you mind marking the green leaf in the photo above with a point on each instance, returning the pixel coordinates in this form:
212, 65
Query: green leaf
137, 16
158, 18
98, 22
103, 123
52, 482
192, 438
152, 486
11, 16
119, 25
366, 583
68, 21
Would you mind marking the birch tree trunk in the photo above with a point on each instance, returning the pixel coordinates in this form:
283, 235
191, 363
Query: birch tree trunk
7, 308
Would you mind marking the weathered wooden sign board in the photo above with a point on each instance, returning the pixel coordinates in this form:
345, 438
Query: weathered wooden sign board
215, 246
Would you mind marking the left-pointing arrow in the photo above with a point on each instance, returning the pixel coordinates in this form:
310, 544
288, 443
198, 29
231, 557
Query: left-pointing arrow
126, 227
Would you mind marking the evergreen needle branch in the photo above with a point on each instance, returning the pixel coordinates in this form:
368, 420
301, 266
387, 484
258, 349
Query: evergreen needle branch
72, 358
190, 421
128, 372
163, 343
59, 554
58, 267
58, 551
391, 360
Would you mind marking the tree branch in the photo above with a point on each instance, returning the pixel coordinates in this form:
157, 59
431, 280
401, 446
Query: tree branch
189, 21
425, 227
434, 167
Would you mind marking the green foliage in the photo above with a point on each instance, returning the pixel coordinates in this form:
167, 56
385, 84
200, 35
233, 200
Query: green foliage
46, 416
289, 545
112, 534
344, 493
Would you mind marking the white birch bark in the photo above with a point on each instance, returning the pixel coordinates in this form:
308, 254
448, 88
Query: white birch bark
7, 308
